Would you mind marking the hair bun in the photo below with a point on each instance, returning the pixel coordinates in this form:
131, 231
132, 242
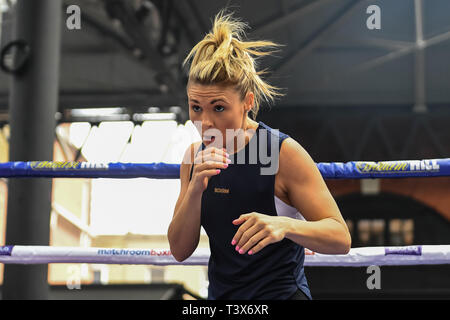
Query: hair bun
222, 56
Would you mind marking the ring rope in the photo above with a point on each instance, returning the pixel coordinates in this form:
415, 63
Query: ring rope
410, 255
357, 257
160, 170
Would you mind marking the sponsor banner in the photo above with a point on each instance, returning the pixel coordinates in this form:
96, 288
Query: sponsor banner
6, 250
397, 166
65, 165
406, 251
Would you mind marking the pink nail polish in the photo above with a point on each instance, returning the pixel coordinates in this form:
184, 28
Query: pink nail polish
228, 161
225, 165
217, 171
237, 248
233, 242
250, 252
241, 251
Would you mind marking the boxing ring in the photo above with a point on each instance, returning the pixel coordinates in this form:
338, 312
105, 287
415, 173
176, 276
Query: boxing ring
357, 257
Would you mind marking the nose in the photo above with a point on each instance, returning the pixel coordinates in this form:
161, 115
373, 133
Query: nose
203, 123
207, 122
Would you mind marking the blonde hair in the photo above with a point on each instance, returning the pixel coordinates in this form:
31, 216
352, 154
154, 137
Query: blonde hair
223, 57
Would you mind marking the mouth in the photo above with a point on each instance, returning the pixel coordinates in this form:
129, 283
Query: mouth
209, 139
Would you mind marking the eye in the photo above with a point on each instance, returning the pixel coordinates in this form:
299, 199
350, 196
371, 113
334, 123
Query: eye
196, 108
219, 108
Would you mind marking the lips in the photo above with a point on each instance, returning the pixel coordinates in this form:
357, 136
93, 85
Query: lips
209, 139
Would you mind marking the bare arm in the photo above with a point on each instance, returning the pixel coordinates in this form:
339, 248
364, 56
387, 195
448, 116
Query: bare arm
184, 230
324, 230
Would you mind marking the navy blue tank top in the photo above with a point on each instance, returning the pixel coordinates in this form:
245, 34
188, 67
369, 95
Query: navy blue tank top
275, 272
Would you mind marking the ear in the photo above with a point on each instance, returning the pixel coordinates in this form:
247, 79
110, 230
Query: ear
249, 101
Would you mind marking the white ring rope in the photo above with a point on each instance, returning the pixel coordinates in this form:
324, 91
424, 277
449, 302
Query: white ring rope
357, 257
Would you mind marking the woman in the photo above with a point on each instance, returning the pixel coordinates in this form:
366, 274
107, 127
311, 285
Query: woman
258, 224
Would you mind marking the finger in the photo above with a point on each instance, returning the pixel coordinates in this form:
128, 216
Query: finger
246, 225
238, 221
204, 157
261, 245
210, 165
216, 157
248, 239
208, 173
217, 143
241, 219
214, 150
251, 243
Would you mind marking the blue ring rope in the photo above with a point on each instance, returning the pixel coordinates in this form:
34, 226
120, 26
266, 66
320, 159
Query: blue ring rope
332, 170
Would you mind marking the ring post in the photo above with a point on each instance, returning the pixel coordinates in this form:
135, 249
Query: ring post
32, 106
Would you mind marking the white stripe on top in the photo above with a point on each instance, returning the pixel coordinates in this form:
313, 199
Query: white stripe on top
286, 210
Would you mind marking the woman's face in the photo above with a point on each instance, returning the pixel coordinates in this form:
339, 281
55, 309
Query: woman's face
215, 108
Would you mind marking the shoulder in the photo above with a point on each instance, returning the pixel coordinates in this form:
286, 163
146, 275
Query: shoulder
295, 162
292, 147
273, 133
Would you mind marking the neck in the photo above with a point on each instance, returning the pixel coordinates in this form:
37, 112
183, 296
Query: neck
248, 127
248, 123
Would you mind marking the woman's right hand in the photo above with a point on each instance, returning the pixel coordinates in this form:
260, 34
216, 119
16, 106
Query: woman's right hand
207, 163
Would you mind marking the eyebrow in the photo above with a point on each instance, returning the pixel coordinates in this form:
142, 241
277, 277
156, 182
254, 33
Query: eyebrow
212, 101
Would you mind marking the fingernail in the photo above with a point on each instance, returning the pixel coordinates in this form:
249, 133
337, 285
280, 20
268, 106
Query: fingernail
250, 252
217, 171
227, 155
241, 251
225, 165
237, 248
228, 161
233, 242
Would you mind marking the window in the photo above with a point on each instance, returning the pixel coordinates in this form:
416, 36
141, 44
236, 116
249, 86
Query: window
381, 232
371, 232
137, 206
401, 232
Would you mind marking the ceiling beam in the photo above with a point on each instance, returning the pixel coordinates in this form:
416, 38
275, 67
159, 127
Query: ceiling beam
295, 15
143, 46
133, 38
103, 28
138, 99
343, 14
401, 52
419, 61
